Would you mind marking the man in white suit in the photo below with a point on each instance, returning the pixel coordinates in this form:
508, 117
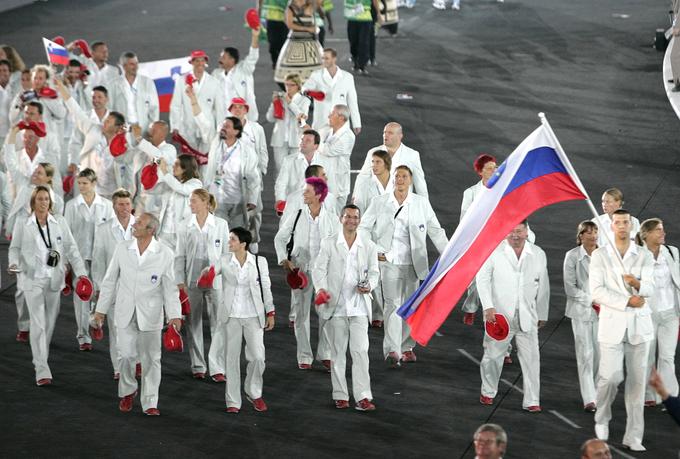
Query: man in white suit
401, 156
338, 88
293, 168
514, 282
134, 95
399, 223
626, 327
347, 270
140, 281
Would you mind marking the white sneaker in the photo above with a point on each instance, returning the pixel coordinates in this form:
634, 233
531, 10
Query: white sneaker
500, 1
438, 5
635, 446
602, 431
455, 6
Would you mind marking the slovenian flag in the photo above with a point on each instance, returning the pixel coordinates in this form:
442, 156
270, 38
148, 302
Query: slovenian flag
535, 175
164, 73
56, 54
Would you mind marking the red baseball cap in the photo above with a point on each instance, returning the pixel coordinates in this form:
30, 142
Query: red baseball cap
149, 176
84, 288
279, 207
172, 340
198, 53
316, 95
322, 297
239, 101
184, 301
68, 283
297, 279
253, 19
498, 330
59, 40
206, 280
118, 144
84, 47
67, 183
36, 126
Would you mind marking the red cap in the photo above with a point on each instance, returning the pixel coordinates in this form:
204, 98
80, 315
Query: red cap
59, 40
206, 280
195, 54
279, 111
184, 302
118, 145
84, 288
84, 47
190, 79
67, 183
239, 101
172, 340
499, 330
297, 279
253, 19
149, 176
322, 297
280, 206
47, 93
201, 158
316, 95
36, 126
68, 280
97, 333
596, 307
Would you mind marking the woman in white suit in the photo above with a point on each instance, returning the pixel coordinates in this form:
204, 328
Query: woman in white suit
173, 190
41, 246
612, 200
581, 311
247, 310
287, 130
83, 214
377, 185
200, 245
665, 306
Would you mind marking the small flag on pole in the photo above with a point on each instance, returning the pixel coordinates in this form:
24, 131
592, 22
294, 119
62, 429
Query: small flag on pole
56, 54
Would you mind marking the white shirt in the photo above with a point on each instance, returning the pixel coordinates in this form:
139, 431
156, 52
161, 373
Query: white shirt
131, 96
228, 176
243, 306
125, 234
141, 256
664, 295
87, 213
350, 303
510, 253
42, 271
229, 90
5, 102
314, 235
400, 253
27, 165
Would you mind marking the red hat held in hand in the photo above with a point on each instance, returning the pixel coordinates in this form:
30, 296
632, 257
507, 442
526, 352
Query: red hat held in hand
322, 297
68, 281
96, 330
206, 280
498, 330
190, 79
47, 93
279, 207
297, 279
184, 302
149, 176
279, 111
67, 183
59, 40
316, 95
596, 307
36, 126
118, 144
84, 47
172, 340
253, 19
84, 288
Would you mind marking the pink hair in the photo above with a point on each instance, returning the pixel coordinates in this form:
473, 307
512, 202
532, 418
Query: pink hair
481, 161
320, 187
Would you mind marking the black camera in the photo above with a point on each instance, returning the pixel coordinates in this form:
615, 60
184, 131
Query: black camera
53, 258
28, 96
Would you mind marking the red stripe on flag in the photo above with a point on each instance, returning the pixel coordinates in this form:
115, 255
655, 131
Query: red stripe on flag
512, 209
164, 102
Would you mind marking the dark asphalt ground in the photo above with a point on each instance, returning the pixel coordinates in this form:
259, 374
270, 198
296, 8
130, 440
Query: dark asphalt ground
478, 79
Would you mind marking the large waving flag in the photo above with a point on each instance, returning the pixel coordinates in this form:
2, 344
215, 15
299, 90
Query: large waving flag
535, 175
164, 73
56, 54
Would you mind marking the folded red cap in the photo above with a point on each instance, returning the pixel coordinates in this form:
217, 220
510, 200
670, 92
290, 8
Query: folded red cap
239, 101
189, 79
36, 126
184, 302
118, 144
253, 19
47, 93
322, 297
596, 307
195, 54
172, 340
97, 333
59, 40
279, 111
498, 330
297, 279
149, 176
84, 288
68, 281
201, 158
67, 183
206, 280
280, 206
84, 47
316, 95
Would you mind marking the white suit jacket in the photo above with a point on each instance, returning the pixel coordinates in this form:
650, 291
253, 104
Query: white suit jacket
253, 135
672, 257
291, 175
378, 223
242, 78
287, 132
606, 228
338, 91
187, 245
146, 101
74, 213
404, 156
610, 292
577, 287
21, 207
145, 290
22, 251
366, 190
54, 112
328, 271
334, 155
295, 201
171, 193
300, 256
106, 239
506, 286
212, 105
229, 274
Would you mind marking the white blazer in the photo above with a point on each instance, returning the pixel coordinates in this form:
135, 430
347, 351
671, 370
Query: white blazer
338, 91
672, 257
187, 241
145, 290
242, 78
577, 287
22, 251
229, 273
378, 222
291, 175
170, 193
106, 237
287, 132
611, 293
404, 156
54, 112
366, 190
506, 286
295, 201
146, 102
301, 256
334, 155
21, 207
20, 168
253, 135
76, 212
328, 272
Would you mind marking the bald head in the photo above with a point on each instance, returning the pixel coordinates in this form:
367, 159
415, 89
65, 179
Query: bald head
158, 132
595, 449
392, 135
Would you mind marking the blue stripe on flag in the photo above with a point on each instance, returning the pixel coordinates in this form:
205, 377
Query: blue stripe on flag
164, 85
537, 163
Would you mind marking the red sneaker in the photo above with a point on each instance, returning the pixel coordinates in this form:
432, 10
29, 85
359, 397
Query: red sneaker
305, 366
408, 357
138, 370
533, 409
258, 404
199, 375
219, 378
364, 405
44, 382
87, 347
469, 318
341, 404
590, 407
152, 412
484, 400
650, 403
125, 404
327, 365
232, 409
377, 324
22, 337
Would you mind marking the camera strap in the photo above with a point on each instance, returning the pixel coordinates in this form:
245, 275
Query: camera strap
48, 241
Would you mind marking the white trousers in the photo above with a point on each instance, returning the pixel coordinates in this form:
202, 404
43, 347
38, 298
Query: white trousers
472, 302
234, 215
377, 303
23, 319
300, 307
113, 340
529, 360
610, 376
587, 357
280, 153
398, 282
666, 341
145, 345
352, 331
43, 308
208, 300
236, 330
82, 311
